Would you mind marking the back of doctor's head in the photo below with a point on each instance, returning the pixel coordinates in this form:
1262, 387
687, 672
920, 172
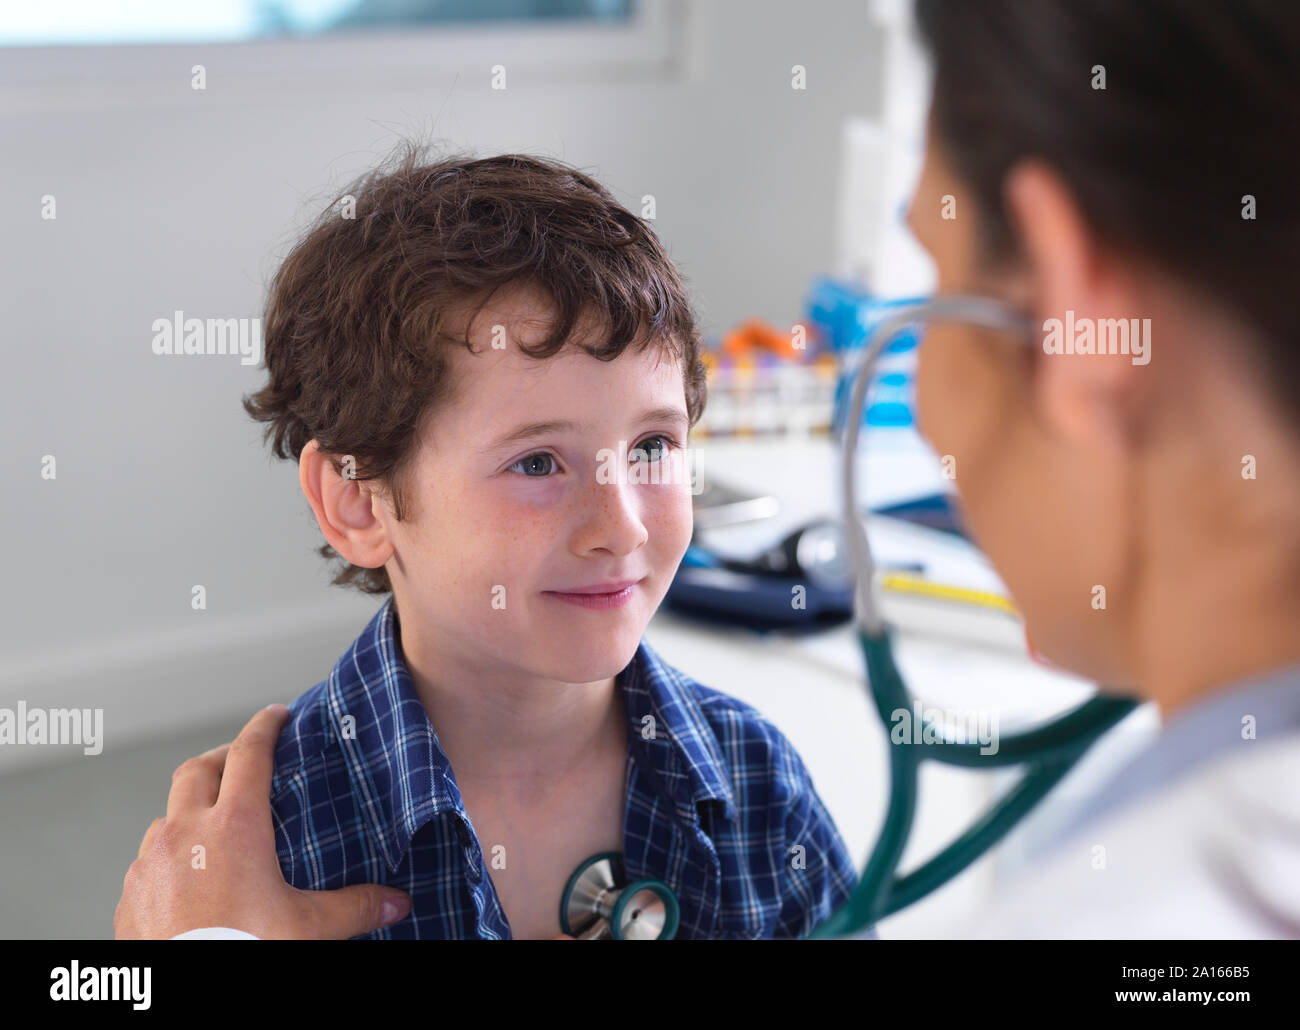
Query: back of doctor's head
1189, 155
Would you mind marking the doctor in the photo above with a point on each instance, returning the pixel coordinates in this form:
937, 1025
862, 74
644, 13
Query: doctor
1086, 163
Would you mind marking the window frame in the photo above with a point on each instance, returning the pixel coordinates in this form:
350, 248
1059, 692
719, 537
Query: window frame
335, 68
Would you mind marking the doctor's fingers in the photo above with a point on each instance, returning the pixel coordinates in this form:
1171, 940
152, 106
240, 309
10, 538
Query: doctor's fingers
196, 782
247, 777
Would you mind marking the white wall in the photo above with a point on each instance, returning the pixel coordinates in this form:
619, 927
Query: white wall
170, 198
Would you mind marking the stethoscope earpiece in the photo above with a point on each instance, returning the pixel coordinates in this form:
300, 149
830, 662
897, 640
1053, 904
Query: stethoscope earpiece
595, 907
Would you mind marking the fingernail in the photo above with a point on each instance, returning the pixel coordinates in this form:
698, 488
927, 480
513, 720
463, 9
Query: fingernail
393, 909
276, 705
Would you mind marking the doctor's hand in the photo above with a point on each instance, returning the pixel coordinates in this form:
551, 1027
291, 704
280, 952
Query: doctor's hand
212, 861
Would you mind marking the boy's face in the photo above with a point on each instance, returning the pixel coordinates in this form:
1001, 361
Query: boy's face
498, 525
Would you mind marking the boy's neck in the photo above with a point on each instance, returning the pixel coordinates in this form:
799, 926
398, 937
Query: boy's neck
498, 730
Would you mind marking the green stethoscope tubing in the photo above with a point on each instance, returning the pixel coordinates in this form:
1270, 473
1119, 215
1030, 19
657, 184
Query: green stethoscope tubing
1048, 751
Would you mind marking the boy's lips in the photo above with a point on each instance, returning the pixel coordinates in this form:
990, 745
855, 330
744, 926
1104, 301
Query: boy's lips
612, 587
597, 596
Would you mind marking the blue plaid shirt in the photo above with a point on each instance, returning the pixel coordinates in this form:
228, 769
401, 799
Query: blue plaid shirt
719, 804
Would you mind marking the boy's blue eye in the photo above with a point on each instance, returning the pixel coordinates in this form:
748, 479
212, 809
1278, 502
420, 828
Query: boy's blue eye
529, 461
660, 451
638, 453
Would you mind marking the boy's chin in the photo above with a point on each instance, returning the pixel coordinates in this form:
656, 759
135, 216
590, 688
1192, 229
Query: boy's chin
578, 657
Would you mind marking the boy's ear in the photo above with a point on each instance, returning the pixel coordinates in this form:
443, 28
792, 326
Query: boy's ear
344, 510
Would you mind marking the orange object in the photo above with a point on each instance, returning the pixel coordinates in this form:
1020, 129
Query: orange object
826, 365
757, 335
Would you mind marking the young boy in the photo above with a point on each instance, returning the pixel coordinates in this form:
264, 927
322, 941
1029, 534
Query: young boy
468, 359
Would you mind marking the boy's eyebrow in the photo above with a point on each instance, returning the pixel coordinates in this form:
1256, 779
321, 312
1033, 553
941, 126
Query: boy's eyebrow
666, 413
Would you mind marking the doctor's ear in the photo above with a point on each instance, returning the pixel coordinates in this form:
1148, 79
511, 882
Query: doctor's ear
1059, 253
1065, 268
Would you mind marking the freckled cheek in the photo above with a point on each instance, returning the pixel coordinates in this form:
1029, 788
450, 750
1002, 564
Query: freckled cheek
667, 514
520, 529
524, 520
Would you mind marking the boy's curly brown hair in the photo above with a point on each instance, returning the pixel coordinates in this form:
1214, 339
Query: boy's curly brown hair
359, 312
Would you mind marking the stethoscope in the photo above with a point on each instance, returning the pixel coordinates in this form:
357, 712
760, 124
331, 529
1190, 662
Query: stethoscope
595, 907
1047, 752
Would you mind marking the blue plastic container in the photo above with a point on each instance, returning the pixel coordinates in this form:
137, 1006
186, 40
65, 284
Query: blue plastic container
845, 316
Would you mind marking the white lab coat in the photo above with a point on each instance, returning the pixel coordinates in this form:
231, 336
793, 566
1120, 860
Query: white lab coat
1215, 856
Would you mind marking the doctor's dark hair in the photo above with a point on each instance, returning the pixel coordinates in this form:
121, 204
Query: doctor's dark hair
361, 313
1200, 109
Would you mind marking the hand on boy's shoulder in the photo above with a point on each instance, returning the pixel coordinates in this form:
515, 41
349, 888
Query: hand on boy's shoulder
220, 804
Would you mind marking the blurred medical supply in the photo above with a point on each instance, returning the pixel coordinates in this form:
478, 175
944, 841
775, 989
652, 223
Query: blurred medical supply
932, 579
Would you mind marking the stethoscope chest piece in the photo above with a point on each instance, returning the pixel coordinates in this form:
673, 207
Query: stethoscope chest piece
596, 905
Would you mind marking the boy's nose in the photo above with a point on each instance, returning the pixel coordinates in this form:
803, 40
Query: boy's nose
609, 518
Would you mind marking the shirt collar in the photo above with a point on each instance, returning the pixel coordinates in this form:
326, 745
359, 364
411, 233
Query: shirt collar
402, 777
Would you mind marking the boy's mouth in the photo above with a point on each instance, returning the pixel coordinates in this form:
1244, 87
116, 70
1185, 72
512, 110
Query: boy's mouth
597, 596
